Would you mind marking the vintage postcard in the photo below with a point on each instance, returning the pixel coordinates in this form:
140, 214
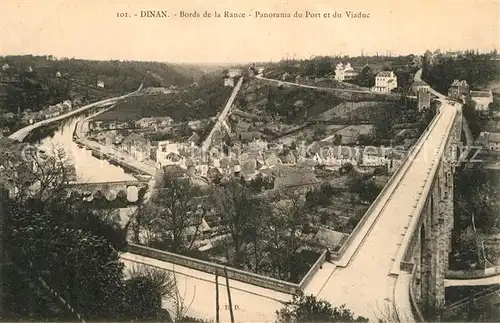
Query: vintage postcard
250, 161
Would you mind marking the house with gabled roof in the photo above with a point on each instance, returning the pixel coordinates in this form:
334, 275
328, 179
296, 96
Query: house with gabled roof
385, 82
194, 139
297, 177
458, 88
137, 146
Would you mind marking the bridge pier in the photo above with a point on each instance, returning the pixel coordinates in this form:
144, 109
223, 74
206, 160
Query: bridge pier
432, 253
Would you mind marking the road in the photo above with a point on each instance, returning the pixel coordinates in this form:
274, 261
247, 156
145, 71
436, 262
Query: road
311, 86
473, 282
222, 117
22, 133
319, 88
255, 304
366, 285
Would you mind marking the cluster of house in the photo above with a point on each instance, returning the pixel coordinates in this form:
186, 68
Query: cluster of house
385, 81
29, 117
460, 90
51, 111
153, 123
253, 70
231, 75
289, 166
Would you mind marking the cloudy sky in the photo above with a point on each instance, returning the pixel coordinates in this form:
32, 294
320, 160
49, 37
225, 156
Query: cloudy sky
91, 29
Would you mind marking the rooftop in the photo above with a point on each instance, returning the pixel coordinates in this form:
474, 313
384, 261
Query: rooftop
385, 74
481, 94
329, 238
494, 137
459, 83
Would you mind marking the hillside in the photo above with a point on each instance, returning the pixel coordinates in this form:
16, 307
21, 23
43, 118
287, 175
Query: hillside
195, 102
478, 70
32, 82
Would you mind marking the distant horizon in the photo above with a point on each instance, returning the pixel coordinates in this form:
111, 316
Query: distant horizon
444, 51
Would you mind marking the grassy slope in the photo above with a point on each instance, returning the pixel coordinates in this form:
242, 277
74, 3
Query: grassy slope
192, 103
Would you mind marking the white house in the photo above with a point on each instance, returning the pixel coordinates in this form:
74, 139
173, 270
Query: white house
344, 72
338, 156
151, 122
234, 72
100, 84
482, 100
385, 82
494, 141
136, 146
375, 156
163, 149
229, 81
67, 105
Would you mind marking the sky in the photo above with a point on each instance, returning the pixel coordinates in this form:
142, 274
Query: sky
92, 30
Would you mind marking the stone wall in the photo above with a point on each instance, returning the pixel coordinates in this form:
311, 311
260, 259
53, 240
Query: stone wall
233, 273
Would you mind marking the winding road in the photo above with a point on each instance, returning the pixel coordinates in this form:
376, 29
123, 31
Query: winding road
23, 132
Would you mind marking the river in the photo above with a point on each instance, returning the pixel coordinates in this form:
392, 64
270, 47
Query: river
89, 169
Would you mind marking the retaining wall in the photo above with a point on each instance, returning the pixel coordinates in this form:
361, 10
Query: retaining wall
233, 273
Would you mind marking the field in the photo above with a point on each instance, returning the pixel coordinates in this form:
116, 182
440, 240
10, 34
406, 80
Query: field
195, 102
353, 111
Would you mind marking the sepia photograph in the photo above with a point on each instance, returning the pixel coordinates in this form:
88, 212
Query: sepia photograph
250, 161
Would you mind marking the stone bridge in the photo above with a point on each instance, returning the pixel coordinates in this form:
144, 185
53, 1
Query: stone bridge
128, 192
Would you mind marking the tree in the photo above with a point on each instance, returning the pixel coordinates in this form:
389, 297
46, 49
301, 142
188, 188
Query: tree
346, 168
365, 140
35, 174
73, 212
426, 65
478, 198
290, 228
469, 245
383, 124
184, 130
144, 292
366, 188
337, 139
309, 309
176, 206
319, 132
237, 210
365, 77
88, 275
321, 196
67, 245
